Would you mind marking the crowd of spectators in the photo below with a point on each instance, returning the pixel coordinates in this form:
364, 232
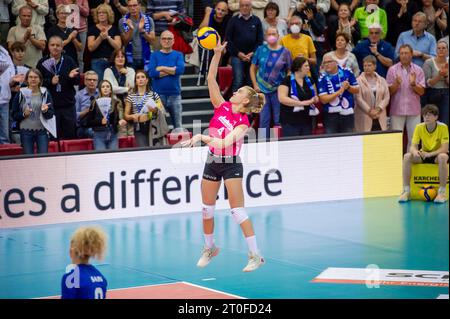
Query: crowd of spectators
106, 69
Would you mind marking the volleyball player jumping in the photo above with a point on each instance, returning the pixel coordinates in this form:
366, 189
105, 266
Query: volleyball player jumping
227, 129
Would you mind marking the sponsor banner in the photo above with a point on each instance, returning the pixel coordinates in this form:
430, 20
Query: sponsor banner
424, 175
442, 297
96, 186
374, 276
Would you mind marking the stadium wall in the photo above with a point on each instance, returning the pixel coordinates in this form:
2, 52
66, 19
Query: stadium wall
95, 186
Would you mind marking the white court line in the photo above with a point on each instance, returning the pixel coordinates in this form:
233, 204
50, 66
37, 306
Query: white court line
214, 290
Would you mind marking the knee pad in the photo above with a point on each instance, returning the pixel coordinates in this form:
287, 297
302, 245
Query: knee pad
208, 211
239, 215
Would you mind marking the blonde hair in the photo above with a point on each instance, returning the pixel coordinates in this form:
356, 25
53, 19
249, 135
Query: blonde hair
89, 242
256, 101
109, 11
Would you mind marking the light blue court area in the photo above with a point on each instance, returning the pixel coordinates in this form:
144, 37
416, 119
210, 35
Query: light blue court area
299, 242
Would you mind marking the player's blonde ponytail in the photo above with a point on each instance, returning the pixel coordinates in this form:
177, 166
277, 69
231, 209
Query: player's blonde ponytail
256, 101
89, 242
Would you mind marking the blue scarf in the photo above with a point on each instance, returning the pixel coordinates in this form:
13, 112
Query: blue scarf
145, 45
313, 111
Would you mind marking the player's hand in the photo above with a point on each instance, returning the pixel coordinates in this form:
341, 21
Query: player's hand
192, 142
221, 46
27, 112
412, 79
104, 121
122, 122
345, 85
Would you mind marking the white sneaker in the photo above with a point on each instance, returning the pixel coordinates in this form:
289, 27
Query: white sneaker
207, 255
440, 198
254, 262
404, 197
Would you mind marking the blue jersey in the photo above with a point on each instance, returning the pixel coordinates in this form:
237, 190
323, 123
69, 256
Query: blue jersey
83, 282
331, 83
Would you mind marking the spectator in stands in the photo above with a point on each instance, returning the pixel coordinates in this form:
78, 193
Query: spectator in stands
166, 67
20, 68
32, 35
406, 82
4, 21
6, 73
323, 6
399, 14
256, 7
422, 42
299, 44
119, 74
344, 23
71, 40
27, 108
121, 78
140, 104
372, 99
244, 35
297, 98
119, 8
16, 82
163, 13
336, 88
103, 38
271, 19
382, 50
83, 101
284, 7
314, 24
104, 119
333, 13
39, 9
217, 18
137, 31
369, 14
345, 58
436, 18
436, 76
270, 64
60, 77
433, 137
78, 17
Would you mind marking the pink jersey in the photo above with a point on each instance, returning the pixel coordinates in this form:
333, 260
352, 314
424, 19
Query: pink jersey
222, 123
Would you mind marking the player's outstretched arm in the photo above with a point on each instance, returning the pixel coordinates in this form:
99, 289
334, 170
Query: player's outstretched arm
213, 87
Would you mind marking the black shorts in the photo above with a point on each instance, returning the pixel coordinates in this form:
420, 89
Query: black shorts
431, 160
218, 167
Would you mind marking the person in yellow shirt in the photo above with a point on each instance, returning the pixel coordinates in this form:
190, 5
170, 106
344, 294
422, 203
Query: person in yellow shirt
433, 136
299, 44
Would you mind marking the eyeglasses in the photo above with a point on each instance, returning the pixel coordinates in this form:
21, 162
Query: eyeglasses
167, 39
378, 32
328, 62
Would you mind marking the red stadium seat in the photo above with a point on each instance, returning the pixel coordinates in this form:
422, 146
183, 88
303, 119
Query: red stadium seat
175, 137
86, 144
127, 141
225, 79
53, 147
10, 149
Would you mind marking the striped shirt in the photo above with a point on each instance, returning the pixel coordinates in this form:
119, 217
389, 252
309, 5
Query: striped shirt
155, 6
138, 101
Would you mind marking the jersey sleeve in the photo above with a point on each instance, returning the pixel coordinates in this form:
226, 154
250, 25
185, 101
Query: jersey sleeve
416, 136
444, 136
